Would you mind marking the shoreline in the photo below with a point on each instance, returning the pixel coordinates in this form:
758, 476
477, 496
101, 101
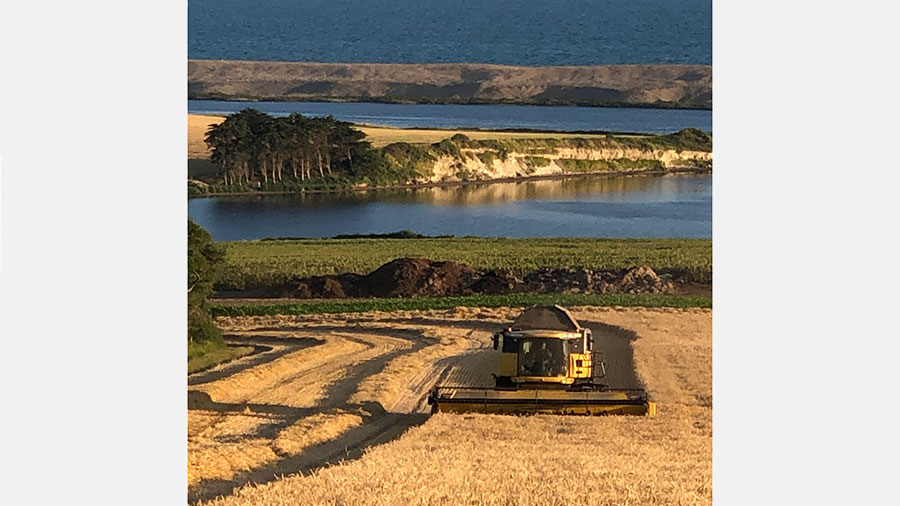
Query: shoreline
665, 106
501, 130
448, 184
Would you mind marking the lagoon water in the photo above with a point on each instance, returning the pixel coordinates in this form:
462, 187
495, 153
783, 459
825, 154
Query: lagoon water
614, 119
639, 206
509, 32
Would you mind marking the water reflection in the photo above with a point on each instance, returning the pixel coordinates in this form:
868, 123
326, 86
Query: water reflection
639, 206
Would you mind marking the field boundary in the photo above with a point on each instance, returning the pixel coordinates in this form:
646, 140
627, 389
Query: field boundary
304, 307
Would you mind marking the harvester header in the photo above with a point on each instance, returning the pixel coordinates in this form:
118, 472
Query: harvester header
546, 364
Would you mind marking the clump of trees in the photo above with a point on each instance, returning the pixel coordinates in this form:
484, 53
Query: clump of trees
205, 262
251, 146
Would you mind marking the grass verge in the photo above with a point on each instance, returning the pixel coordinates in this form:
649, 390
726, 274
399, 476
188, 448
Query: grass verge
425, 303
205, 355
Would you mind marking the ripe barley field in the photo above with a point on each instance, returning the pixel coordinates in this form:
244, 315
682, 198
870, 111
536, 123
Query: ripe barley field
342, 420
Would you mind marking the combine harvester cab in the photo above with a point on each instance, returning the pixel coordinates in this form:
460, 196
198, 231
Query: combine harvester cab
546, 365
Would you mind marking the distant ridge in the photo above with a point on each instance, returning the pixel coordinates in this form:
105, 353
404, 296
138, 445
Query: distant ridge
674, 86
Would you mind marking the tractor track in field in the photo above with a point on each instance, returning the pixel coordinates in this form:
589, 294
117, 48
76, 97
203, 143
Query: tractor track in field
265, 349
612, 346
308, 371
259, 417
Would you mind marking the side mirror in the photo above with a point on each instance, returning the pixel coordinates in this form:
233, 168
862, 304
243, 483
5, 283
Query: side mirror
497, 341
589, 338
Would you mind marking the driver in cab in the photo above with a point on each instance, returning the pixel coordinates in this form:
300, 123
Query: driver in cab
538, 361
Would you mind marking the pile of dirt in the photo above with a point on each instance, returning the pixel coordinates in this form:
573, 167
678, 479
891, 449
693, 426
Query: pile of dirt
419, 277
498, 282
413, 277
640, 279
340, 286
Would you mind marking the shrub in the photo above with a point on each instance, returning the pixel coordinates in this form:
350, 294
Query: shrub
205, 262
406, 158
617, 165
461, 139
446, 148
487, 157
534, 162
201, 329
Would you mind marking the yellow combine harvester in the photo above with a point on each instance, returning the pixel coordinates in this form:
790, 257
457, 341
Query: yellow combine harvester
546, 366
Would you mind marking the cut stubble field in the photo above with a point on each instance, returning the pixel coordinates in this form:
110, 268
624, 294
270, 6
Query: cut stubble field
334, 413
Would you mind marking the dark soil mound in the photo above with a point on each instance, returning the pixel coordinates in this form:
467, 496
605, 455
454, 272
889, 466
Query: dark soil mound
644, 280
415, 277
497, 282
329, 287
550, 280
418, 277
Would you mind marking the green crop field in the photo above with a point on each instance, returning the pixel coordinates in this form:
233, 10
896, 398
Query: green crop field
427, 303
260, 264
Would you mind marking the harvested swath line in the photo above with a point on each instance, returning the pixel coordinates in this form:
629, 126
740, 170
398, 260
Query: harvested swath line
278, 420
399, 385
262, 436
314, 366
265, 350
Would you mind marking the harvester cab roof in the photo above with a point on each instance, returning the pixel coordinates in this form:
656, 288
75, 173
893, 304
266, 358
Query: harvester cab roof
546, 318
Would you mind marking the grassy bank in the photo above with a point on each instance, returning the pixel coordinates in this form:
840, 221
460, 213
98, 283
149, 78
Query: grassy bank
259, 264
206, 355
426, 303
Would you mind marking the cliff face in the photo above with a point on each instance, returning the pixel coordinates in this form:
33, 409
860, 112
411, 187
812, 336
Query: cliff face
686, 86
473, 165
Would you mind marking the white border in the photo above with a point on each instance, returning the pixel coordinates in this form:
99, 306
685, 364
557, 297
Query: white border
92, 134
804, 252
92, 282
